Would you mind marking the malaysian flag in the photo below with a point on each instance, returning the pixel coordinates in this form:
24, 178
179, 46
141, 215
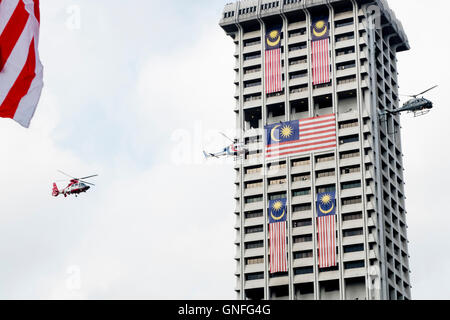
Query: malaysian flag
320, 47
326, 229
301, 136
273, 77
21, 71
277, 235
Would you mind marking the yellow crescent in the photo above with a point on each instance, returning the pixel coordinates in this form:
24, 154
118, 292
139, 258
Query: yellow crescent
279, 218
272, 132
326, 212
273, 43
320, 34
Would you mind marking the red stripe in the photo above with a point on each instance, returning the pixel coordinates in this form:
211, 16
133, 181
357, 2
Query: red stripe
301, 151
303, 145
319, 117
37, 12
317, 122
319, 127
278, 257
327, 241
302, 140
12, 32
21, 85
273, 71
321, 63
319, 132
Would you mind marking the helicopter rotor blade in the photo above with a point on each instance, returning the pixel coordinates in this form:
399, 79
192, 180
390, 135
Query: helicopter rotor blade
223, 134
66, 174
427, 90
95, 175
87, 183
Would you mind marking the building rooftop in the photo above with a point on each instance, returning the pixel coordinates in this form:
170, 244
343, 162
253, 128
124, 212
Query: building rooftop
240, 12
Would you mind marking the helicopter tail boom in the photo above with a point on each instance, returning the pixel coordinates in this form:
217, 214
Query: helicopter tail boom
55, 192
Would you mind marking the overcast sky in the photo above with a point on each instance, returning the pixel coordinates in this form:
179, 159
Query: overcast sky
125, 96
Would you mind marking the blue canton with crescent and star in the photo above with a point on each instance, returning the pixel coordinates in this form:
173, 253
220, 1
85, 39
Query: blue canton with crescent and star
282, 132
326, 204
277, 211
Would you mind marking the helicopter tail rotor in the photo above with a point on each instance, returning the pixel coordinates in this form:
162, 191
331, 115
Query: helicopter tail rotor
55, 191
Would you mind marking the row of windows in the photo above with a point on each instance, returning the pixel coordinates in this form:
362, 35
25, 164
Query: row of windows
305, 238
302, 46
308, 270
300, 192
305, 254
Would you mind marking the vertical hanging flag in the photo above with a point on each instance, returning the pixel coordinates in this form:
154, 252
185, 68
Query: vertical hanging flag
320, 50
21, 71
273, 74
326, 227
277, 235
301, 136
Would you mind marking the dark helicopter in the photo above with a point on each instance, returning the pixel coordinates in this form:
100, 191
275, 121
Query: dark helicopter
419, 106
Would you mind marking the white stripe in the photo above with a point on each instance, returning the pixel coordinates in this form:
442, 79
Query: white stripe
16, 61
317, 142
292, 152
7, 8
27, 106
305, 122
310, 126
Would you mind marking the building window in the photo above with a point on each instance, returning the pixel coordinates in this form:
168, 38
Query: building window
350, 154
301, 162
303, 254
256, 229
303, 270
273, 182
254, 185
327, 158
257, 260
253, 199
277, 196
354, 264
349, 139
351, 185
302, 239
326, 173
302, 223
253, 170
353, 232
301, 192
302, 207
352, 200
352, 216
301, 177
353, 169
254, 276
354, 248
254, 245
348, 124
254, 214
326, 189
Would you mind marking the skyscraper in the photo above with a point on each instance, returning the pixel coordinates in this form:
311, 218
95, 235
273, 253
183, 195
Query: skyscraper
335, 60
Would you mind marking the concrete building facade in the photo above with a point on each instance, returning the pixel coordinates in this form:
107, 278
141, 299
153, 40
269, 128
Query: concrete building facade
366, 169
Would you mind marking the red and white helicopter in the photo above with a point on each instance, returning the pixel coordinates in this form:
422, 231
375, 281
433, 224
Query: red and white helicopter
234, 150
75, 186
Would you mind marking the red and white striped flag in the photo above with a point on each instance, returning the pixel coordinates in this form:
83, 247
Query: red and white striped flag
21, 72
273, 73
278, 258
277, 235
326, 229
321, 61
301, 136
